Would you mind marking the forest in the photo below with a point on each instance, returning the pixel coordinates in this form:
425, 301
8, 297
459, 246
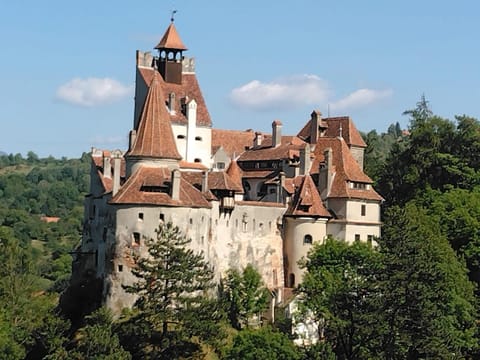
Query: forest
413, 295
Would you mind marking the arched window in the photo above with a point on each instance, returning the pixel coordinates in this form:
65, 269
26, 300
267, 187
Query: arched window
307, 239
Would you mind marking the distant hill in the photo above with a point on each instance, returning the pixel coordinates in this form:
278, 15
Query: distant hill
3, 153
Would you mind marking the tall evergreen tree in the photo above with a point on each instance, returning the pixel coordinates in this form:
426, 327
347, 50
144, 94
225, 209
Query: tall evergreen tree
174, 287
427, 302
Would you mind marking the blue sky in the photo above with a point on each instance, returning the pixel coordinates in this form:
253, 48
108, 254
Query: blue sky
67, 69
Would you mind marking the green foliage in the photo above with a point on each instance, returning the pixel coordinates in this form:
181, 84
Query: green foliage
340, 290
262, 344
440, 154
97, 339
173, 295
427, 302
245, 296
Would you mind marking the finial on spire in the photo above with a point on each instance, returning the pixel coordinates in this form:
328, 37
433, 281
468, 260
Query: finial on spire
172, 18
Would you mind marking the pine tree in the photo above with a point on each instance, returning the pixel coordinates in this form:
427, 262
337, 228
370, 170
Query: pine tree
427, 300
173, 291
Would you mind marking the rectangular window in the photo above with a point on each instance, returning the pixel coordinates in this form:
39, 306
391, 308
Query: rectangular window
120, 268
220, 165
136, 238
162, 217
357, 237
364, 210
140, 216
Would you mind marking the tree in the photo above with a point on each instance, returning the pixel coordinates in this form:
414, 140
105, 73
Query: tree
245, 296
97, 339
340, 290
440, 154
173, 291
262, 344
427, 300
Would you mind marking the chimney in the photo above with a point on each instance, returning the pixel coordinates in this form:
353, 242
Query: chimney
132, 138
107, 166
191, 114
305, 162
257, 141
316, 119
175, 187
328, 155
117, 162
205, 181
281, 186
276, 133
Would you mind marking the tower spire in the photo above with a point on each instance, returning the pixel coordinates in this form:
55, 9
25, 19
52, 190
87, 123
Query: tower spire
172, 17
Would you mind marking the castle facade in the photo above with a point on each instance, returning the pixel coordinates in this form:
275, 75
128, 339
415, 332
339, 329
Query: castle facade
243, 197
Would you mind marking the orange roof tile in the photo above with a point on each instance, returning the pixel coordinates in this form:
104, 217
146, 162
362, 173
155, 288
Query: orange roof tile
188, 88
289, 148
171, 39
154, 135
134, 191
306, 200
217, 180
349, 131
235, 174
345, 170
234, 142
192, 165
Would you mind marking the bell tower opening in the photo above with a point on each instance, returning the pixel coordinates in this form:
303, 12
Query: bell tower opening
170, 51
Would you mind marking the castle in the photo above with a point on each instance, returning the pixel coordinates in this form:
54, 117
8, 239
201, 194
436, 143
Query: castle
241, 196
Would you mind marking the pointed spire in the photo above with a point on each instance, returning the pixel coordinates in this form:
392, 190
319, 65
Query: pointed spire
171, 40
154, 138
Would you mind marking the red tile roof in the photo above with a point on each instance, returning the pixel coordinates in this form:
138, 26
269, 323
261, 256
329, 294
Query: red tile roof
171, 39
132, 193
345, 170
307, 201
349, 131
234, 142
235, 174
217, 180
192, 165
188, 88
154, 137
288, 149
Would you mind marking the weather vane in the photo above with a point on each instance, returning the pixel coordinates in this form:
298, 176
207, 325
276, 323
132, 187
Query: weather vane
172, 19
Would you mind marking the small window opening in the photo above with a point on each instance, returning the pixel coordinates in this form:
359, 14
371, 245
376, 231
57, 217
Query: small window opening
162, 217
364, 210
120, 268
180, 136
291, 280
357, 237
136, 238
307, 239
191, 221
198, 138
140, 216
197, 160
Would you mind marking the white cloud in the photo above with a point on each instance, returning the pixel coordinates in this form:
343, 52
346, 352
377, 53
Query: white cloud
359, 98
92, 91
285, 93
300, 90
